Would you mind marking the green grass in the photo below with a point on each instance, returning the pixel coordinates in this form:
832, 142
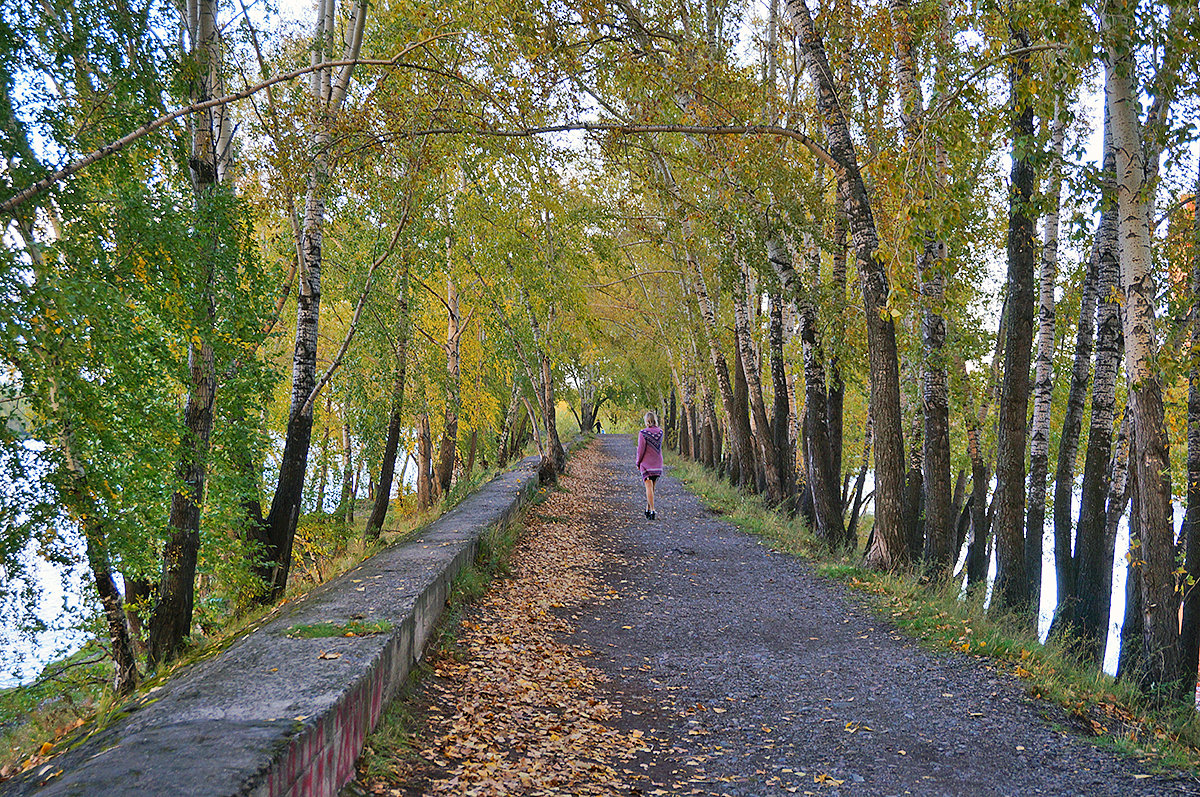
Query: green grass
1116, 714
351, 628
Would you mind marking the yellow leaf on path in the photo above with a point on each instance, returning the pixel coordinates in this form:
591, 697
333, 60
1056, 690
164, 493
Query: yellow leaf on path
46, 748
326, 655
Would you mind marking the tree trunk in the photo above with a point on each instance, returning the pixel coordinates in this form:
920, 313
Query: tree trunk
1088, 565
741, 418
888, 549
1190, 630
858, 500
444, 473
1159, 602
470, 466
509, 431
763, 432
939, 533
424, 463
328, 94
1068, 443
1094, 596
323, 476
781, 415
80, 504
1011, 589
171, 621
1043, 383
1131, 661
837, 388
391, 445
345, 512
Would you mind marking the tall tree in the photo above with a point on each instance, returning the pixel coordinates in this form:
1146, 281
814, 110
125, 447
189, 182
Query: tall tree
1190, 628
328, 94
172, 619
1134, 188
1012, 586
391, 445
1043, 382
888, 549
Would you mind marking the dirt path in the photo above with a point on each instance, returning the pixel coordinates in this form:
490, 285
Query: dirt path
715, 666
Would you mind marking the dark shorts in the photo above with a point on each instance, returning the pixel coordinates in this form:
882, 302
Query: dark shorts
651, 475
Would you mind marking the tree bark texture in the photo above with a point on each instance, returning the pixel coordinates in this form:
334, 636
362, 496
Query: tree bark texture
391, 445
424, 463
1043, 383
1190, 629
171, 620
1088, 565
509, 431
1068, 442
1131, 661
1093, 599
444, 472
888, 548
328, 94
781, 413
1011, 589
345, 511
1159, 601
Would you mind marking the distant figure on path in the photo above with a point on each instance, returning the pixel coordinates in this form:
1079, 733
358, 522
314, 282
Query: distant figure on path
598, 429
649, 458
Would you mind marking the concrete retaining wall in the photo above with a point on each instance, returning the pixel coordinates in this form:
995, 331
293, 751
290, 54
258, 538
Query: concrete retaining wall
277, 716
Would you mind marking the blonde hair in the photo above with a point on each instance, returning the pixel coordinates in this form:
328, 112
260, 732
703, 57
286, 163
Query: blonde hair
650, 418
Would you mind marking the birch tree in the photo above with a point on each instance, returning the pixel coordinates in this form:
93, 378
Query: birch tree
328, 90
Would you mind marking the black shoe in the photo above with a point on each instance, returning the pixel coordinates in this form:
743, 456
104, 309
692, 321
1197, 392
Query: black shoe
653, 515
649, 514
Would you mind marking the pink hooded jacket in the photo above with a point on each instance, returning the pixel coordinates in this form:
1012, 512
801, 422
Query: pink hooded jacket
649, 451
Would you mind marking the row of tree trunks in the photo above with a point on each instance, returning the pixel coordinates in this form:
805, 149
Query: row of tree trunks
822, 480
763, 431
1085, 598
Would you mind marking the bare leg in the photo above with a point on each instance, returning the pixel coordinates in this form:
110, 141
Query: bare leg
649, 493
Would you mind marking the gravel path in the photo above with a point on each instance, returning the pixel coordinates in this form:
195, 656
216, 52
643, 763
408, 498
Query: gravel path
755, 677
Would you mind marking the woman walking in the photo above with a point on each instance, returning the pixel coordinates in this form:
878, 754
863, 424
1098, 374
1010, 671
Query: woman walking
649, 458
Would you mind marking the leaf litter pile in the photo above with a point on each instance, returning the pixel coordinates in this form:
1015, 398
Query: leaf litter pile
513, 709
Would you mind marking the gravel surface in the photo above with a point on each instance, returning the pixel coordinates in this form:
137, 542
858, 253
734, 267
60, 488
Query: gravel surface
753, 676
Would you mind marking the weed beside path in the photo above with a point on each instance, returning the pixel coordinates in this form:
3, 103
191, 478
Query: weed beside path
718, 667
